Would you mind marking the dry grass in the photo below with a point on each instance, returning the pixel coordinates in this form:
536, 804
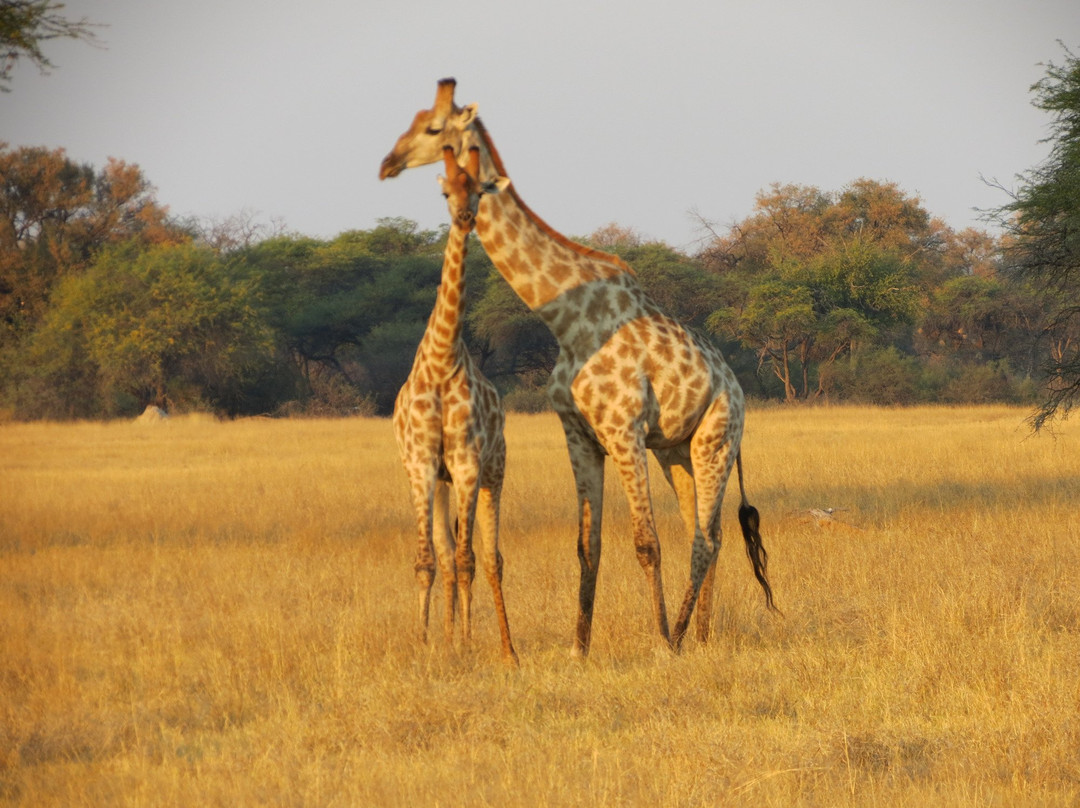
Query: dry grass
204, 613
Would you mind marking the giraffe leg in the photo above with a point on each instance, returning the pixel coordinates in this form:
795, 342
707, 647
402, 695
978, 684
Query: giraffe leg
587, 460
465, 558
487, 519
422, 492
680, 475
631, 462
712, 450
705, 598
443, 541
427, 550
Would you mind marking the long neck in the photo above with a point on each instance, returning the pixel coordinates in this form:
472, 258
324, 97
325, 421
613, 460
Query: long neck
539, 263
443, 335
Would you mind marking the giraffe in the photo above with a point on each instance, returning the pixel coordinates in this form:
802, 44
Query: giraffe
449, 428
628, 379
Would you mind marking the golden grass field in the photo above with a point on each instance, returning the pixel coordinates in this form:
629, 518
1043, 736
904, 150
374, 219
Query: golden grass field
222, 614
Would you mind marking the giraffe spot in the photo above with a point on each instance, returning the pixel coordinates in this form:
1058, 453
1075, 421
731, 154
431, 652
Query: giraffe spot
599, 308
604, 365
545, 290
560, 397
664, 351
623, 301
560, 271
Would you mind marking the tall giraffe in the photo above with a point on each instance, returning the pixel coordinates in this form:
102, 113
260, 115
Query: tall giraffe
449, 428
628, 379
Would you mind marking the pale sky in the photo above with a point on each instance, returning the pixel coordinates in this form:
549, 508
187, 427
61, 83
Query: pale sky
623, 110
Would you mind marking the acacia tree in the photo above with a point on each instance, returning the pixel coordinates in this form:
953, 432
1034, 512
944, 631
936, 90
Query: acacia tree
821, 274
25, 25
1043, 222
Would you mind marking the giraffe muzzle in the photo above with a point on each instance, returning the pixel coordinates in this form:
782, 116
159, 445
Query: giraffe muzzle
391, 166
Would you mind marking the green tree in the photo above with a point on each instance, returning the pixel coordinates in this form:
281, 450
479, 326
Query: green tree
25, 25
1043, 222
349, 312
55, 215
169, 325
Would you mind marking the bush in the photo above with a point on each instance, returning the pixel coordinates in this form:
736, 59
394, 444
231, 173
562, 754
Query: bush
874, 377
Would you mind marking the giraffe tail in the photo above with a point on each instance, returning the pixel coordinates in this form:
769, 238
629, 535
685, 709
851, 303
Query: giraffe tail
750, 522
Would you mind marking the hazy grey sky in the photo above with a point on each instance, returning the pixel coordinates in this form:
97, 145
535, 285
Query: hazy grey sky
623, 110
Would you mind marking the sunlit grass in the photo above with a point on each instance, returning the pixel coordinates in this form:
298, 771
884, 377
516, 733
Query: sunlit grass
200, 612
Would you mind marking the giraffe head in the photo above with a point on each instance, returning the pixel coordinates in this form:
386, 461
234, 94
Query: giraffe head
445, 124
463, 188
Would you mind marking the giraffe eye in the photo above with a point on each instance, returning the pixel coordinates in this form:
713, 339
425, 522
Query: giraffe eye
431, 130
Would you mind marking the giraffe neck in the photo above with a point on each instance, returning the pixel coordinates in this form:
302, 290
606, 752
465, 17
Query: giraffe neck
577, 290
442, 340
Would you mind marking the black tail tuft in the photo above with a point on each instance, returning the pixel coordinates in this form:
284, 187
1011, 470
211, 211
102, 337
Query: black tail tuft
750, 522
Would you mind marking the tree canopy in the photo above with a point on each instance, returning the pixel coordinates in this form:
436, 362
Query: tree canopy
1043, 224
858, 294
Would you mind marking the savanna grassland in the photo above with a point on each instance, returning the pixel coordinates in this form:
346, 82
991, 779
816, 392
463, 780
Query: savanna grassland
223, 613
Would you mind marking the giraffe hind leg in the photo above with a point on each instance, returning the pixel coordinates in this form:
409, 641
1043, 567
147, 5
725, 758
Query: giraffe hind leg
680, 475
712, 467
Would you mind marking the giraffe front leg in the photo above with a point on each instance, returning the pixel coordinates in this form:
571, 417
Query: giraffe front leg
443, 541
465, 558
422, 490
587, 460
628, 454
487, 523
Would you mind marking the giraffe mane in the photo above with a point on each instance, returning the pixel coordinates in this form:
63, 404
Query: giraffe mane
581, 249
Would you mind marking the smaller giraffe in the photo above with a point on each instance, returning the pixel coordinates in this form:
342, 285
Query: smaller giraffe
449, 427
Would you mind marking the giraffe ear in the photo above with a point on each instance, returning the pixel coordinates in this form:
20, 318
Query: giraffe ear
467, 115
495, 185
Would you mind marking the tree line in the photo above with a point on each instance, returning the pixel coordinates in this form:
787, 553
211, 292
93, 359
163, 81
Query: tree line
107, 305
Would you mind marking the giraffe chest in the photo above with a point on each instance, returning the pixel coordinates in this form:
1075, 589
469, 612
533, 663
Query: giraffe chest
452, 421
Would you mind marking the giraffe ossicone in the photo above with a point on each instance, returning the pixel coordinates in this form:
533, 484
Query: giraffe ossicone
628, 378
448, 422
